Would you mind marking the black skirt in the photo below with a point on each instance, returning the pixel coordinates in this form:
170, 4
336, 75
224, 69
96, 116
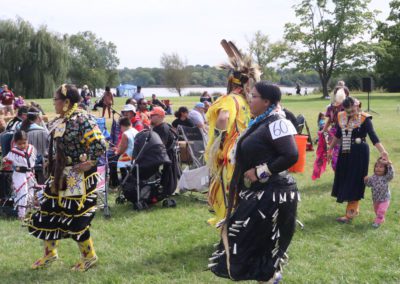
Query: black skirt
258, 234
65, 217
350, 172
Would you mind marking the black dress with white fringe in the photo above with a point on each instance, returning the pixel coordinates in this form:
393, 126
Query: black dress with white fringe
257, 234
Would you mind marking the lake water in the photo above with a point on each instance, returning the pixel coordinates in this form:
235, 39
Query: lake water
164, 92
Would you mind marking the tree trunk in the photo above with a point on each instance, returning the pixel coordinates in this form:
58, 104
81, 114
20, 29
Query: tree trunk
325, 92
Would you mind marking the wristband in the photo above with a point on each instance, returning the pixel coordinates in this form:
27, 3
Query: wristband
263, 173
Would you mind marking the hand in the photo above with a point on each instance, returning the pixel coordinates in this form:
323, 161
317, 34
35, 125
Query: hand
385, 156
329, 156
366, 179
83, 167
251, 175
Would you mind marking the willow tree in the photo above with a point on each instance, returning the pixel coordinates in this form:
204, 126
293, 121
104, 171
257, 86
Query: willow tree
33, 62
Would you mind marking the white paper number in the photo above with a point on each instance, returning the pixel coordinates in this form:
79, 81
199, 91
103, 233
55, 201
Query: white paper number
281, 128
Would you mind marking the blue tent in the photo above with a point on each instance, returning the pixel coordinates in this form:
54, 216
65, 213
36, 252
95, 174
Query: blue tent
126, 90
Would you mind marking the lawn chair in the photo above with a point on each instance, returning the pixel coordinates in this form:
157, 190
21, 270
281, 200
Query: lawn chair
195, 174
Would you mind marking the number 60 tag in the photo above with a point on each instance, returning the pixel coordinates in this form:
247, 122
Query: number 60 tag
281, 128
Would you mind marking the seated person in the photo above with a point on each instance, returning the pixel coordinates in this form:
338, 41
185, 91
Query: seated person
19, 102
2, 125
36, 105
205, 97
143, 113
15, 123
125, 147
131, 101
129, 111
156, 102
169, 138
38, 137
197, 116
182, 118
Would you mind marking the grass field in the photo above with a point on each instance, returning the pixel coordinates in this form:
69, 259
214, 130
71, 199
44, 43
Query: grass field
172, 245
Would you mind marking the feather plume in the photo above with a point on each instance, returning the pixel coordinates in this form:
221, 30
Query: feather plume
238, 62
227, 49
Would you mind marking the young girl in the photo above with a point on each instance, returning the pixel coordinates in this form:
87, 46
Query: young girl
125, 147
22, 156
379, 182
321, 121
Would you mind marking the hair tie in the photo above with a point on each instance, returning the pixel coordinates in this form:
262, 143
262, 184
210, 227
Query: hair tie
64, 89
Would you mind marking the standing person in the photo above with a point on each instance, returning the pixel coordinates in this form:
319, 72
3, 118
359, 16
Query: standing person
108, 101
22, 156
182, 118
227, 117
379, 183
329, 130
298, 89
70, 198
261, 216
353, 161
125, 147
7, 99
169, 138
138, 95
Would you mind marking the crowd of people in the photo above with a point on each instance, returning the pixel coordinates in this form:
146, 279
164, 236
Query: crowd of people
251, 146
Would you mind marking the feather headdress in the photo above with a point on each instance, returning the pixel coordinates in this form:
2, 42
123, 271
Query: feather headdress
242, 68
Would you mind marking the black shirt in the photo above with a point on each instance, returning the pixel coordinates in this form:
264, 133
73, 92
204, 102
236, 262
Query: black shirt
187, 122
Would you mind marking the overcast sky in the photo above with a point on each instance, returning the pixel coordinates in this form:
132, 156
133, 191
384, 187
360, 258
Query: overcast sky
144, 29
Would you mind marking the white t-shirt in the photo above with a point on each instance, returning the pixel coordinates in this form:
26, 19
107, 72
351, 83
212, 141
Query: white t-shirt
196, 117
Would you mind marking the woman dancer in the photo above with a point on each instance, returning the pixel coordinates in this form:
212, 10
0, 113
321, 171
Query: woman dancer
263, 196
69, 200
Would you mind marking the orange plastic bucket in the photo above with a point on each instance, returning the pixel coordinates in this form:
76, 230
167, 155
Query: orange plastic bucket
301, 141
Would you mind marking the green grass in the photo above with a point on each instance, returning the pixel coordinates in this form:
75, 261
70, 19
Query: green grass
172, 245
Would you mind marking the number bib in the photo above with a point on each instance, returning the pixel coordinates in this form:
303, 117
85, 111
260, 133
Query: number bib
281, 128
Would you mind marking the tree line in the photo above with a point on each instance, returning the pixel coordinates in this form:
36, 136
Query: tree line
330, 40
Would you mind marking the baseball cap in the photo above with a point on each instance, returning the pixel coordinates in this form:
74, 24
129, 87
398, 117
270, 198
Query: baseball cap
157, 111
199, 105
128, 108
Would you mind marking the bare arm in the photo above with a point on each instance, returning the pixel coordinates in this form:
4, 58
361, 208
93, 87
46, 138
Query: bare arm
222, 120
326, 126
382, 151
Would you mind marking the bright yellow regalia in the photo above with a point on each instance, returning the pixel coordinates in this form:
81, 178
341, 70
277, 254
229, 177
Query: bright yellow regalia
219, 151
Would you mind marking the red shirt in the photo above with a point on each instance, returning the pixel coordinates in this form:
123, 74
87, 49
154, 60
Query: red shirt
137, 123
7, 98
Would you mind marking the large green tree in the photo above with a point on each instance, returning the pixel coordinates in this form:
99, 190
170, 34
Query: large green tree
388, 63
93, 61
331, 37
32, 62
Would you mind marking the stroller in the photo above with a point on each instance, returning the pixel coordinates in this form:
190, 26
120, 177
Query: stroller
143, 185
